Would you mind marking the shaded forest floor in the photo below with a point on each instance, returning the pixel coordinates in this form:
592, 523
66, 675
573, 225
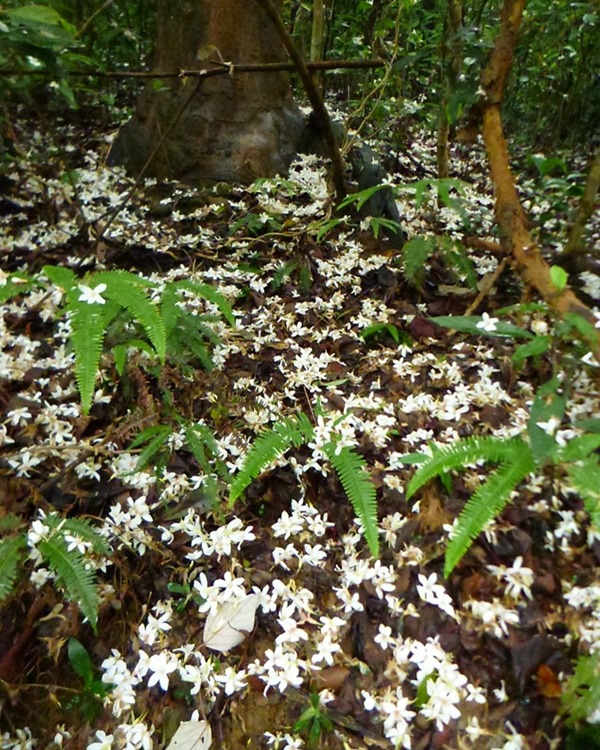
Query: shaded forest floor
326, 324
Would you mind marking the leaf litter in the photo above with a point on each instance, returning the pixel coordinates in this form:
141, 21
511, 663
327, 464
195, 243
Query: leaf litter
399, 656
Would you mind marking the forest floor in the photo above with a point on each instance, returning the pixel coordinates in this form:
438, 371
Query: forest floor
382, 652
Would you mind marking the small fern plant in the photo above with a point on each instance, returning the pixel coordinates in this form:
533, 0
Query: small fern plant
92, 306
156, 446
516, 459
350, 467
56, 543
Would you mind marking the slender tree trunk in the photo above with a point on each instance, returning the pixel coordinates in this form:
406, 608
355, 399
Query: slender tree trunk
514, 235
451, 67
316, 41
374, 14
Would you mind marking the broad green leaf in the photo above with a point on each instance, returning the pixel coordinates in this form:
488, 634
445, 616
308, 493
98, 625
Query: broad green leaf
80, 660
468, 324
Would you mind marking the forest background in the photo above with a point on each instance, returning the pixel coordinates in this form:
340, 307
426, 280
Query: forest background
308, 459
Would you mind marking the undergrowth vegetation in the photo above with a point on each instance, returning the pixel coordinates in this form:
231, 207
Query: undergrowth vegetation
267, 478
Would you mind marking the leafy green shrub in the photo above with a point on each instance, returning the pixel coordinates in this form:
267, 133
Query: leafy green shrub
56, 542
348, 464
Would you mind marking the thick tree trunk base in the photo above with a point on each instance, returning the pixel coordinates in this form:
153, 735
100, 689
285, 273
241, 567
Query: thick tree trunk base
206, 147
236, 127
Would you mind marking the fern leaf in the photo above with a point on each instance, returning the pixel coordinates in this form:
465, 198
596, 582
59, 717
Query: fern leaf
10, 522
79, 581
585, 478
170, 311
352, 471
82, 528
209, 293
267, 447
415, 253
196, 444
487, 503
127, 290
10, 557
16, 284
463, 452
204, 436
88, 328
61, 276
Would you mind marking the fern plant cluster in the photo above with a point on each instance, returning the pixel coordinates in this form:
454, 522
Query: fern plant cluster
350, 467
58, 544
105, 302
518, 457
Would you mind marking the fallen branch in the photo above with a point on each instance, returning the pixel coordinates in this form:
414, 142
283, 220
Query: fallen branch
275, 67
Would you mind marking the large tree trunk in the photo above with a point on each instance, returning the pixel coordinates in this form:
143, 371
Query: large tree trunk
237, 127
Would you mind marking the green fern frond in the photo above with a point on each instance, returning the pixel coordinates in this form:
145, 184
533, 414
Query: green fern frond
15, 285
10, 522
267, 447
155, 437
61, 276
200, 440
10, 557
82, 528
129, 291
585, 478
78, 580
415, 254
209, 293
88, 328
464, 452
351, 468
487, 503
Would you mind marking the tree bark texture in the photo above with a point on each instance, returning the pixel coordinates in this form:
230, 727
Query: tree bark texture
237, 128
514, 234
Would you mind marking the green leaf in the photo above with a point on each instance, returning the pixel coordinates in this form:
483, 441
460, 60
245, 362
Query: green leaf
127, 290
80, 660
10, 557
579, 448
380, 330
358, 486
209, 293
537, 346
361, 197
591, 425
157, 438
61, 276
15, 284
585, 478
559, 277
78, 580
468, 324
29, 14
88, 328
82, 528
